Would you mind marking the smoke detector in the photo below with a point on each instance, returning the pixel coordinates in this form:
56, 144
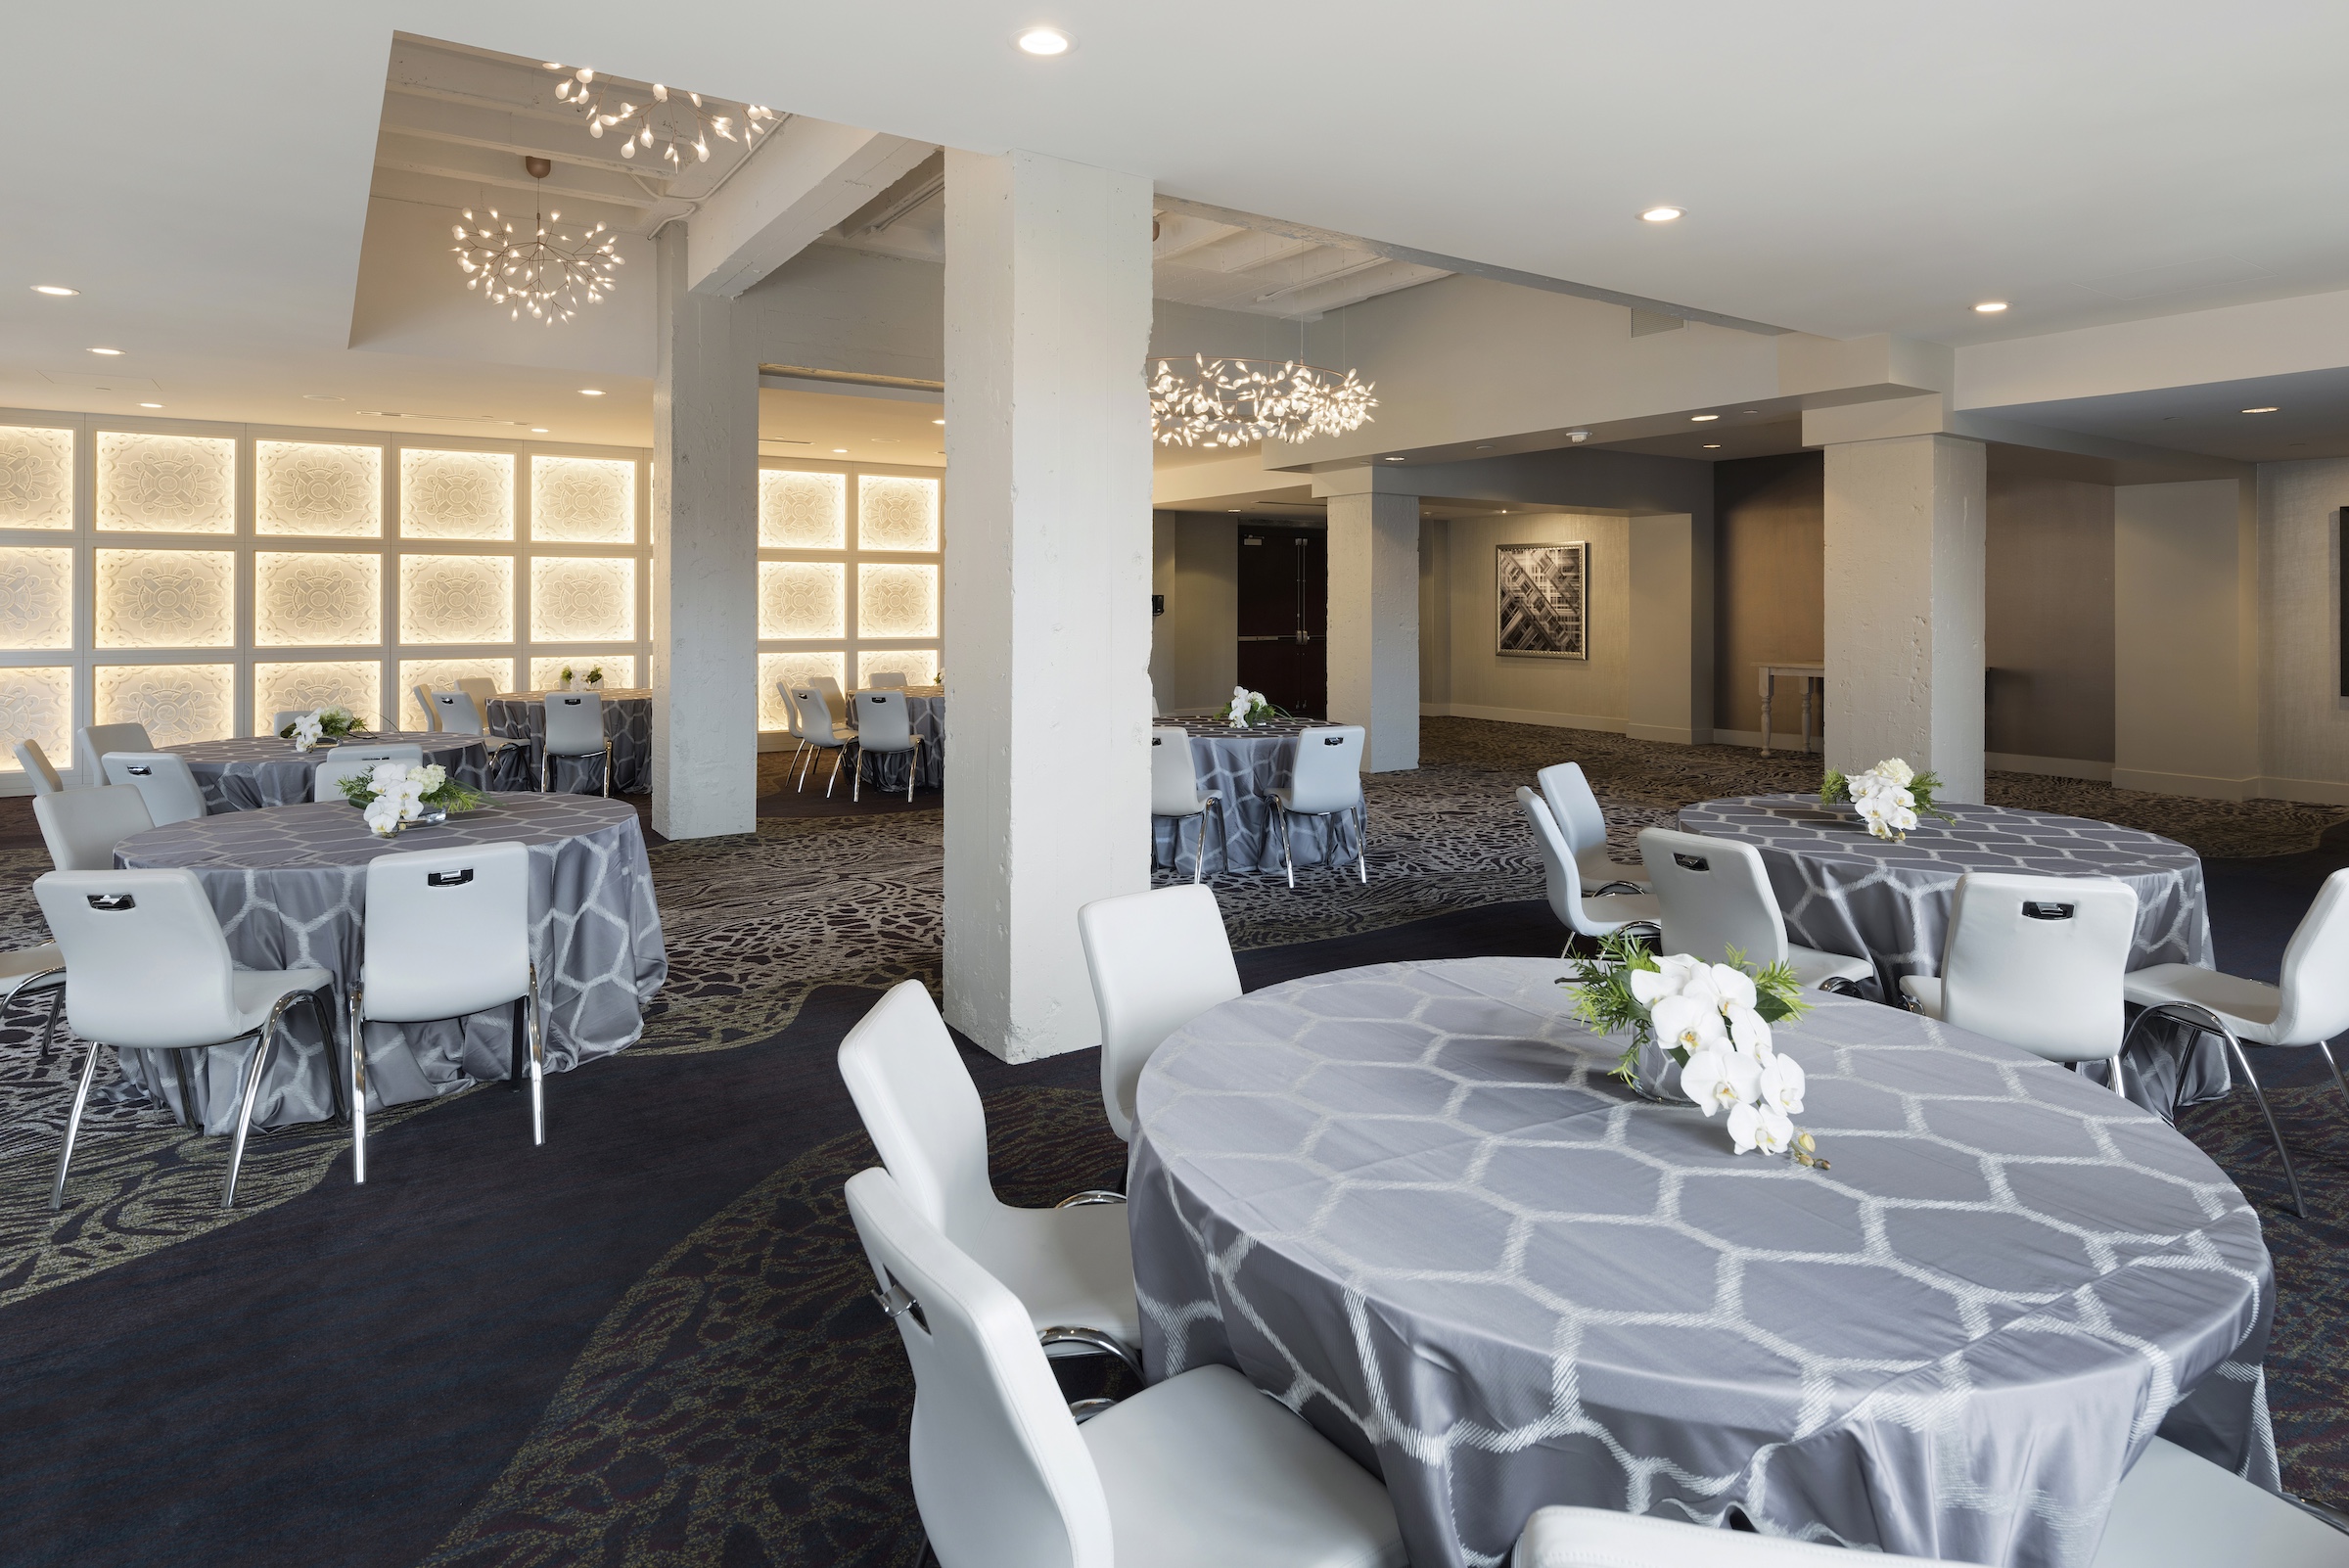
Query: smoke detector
1577, 436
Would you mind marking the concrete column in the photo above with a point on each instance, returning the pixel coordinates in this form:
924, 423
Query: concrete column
1670, 685
704, 561
1374, 623
1047, 584
2186, 639
1904, 536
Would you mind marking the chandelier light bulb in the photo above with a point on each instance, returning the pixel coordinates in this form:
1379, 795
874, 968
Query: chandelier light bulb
1235, 402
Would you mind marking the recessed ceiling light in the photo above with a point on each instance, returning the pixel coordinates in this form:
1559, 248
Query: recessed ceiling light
592, 392
1990, 308
1702, 419
2259, 410
1043, 41
537, 429
55, 290
109, 352
840, 451
1660, 215
1231, 509
938, 422
151, 405
1486, 447
1711, 446
1394, 459
320, 397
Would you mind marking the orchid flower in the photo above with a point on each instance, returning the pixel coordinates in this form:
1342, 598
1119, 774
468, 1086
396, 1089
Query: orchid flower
1761, 1126
1718, 1080
1781, 1084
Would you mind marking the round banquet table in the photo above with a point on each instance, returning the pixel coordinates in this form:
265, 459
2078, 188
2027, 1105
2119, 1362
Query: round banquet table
925, 712
259, 771
1844, 891
1242, 767
290, 886
1408, 1201
627, 725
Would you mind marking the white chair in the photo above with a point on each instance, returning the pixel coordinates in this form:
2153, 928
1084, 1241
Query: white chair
326, 779
835, 703
2309, 1009
1575, 810
1200, 1469
2035, 962
884, 728
37, 771
1325, 779
147, 968
1715, 895
575, 727
1071, 1266
93, 741
81, 827
886, 677
1592, 916
481, 688
424, 702
162, 780
454, 713
1175, 792
822, 732
447, 935
792, 722
285, 717
408, 754
1157, 960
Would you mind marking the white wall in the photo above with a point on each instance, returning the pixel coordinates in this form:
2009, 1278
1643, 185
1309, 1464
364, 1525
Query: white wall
2305, 717
1195, 652
2185, 657
833, 308
1577, 694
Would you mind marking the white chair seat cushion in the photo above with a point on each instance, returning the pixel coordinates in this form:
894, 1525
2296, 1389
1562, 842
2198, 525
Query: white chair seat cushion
20, 966
1559, 1537
1597, 870
1203, 1470
1621, 909
2245, 1006
1814, 968
253, 992
2176, 1509
1924, 991
1070, 1268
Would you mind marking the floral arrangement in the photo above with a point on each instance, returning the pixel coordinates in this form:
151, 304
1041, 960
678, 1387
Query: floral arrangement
395, 795
1714, 1021
566, 677
595, 675
319, 724
1249, 708
1889, 797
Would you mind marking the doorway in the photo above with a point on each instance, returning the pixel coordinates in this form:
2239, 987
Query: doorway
1284, 617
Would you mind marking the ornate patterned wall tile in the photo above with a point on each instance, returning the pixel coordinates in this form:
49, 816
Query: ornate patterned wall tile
443, 674
177, 703
38, 704
777, 669
619, 670
583, 599
317, 492
919, 666
150, 483
894, 600
316, 601
36, 478
37, 598
896, 512
456, 495
166, 599
352, 683
803, 511
456, 598
803, 599
583, 500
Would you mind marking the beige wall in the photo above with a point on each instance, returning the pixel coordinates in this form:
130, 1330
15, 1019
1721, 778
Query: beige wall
1435, 615
1768, 600
1194, 651
2305, 717
1480, 683
2049, 628
2185, 699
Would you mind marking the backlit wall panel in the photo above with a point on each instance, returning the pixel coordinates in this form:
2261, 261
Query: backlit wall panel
36, 704
352, 683
37, 598
803, 599
583, 500
304, 600
156, 484
779, 669
456, 495
896, 512
919, 666
897, 600
443, 674
840, 603
36, 476
316, 491
456, 598
802, 510
583, 599
177, 703
166, 599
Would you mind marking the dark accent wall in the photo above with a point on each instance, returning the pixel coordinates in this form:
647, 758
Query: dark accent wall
1769, 583
2049, 626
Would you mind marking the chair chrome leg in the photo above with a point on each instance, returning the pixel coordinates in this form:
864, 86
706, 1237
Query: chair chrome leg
358, 1089
2114, 1067
913, 766
1198, 853
326, 1034
65, 1156
1280, 814
607, 770
58, 1002
253, 1089
1362, 849
838, 752
187, 1094
857, 780
2323, 1046
2291, 1177
537, 1064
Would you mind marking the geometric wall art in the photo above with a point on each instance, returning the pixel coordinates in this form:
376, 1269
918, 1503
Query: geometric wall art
37, 598
313, 601
803, 511
583, 599
317, 490
583, 500
919, 666
456, 598
1539, 600
36, 478
443, 674
897, 600
38, 704
896, 512
177, 703
456, 495
166, 599
779, 669
150, 484
619, 670
803, 599
343, 682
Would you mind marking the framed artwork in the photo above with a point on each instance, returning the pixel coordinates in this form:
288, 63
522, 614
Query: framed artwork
1542, 589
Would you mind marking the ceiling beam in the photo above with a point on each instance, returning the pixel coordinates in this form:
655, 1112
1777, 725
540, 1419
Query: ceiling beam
1188, 234
501, 168
803, 180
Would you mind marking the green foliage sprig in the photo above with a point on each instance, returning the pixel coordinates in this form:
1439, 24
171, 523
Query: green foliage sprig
1604, 998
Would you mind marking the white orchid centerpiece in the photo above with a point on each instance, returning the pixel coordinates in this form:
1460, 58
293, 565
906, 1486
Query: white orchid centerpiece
1889, 797
1249, 708
319, 724
395, 795
1713, 1020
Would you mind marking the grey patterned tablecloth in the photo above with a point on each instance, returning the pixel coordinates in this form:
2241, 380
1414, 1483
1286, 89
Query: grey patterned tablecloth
258, 770
627, 725
1408, 1202
290, 886
926, 710
1844, 891
1242, 767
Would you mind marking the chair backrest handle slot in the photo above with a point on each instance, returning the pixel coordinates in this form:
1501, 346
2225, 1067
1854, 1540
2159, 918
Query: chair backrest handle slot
2035, 909
113, 900
1691, 863
449, 879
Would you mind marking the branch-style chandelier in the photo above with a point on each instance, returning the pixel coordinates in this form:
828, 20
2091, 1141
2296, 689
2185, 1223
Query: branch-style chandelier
670, 120
1234, 402
551, 275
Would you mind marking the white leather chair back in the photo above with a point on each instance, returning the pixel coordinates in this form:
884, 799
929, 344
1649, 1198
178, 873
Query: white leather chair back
1573, 807
1000, 1473
93, 741
81, 827
833, 703
1157, 960
2316, 969
920, 1107
1173, 777
163, 779
791, 712
1561, 878
453, 712
37, 771
1559, 1537
574, 723
407, 754
286, 716
481, 688
146, 964
1328, 773
326, 780
886, 677
881, 722
815, 717
432, 711
2038, 962
448, 932
1713, 894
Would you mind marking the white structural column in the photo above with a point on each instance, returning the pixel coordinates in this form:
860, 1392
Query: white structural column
705, 562
2186, 639
1374, 620
1904, 535
1047, 584
1671, 682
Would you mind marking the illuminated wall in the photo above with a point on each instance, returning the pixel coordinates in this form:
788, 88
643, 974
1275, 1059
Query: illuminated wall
849, 571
